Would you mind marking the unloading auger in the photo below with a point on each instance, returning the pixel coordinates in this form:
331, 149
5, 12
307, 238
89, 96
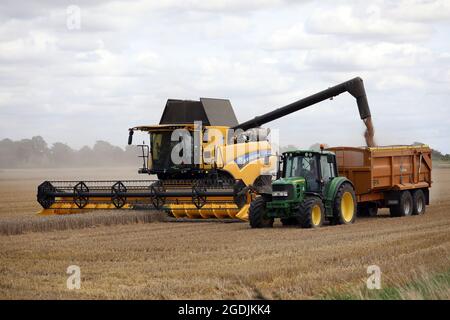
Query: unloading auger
223, 171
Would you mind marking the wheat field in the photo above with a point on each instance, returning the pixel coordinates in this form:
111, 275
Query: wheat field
150, 259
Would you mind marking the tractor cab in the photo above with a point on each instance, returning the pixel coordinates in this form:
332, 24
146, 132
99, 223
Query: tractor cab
315, 168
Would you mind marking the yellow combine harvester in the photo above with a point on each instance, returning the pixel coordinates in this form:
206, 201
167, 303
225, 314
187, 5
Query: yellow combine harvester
207, 164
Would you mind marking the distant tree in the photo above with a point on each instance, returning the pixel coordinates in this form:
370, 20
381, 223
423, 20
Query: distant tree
7, 153
62, 155
39, 146
85, 157
35, 153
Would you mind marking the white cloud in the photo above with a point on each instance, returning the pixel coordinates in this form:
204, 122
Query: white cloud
130, 56
369, 23
363, 56
295, 37
421, 10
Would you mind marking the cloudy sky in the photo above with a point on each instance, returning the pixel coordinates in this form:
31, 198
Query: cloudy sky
78, 81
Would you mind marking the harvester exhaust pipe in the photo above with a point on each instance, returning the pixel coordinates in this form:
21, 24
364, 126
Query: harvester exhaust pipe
354, 86
130, 137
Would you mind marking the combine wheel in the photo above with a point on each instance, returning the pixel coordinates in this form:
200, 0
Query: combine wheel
311, 213
344, 205
117, 198
80, 198
419, 202
404, 207
257, 214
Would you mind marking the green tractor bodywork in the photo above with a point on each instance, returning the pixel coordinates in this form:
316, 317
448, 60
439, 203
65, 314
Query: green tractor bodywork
306, 192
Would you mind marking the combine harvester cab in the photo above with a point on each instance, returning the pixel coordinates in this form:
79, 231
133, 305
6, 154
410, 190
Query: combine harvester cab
204, 164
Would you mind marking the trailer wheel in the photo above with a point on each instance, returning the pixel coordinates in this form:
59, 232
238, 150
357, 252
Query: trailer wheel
344, 208
405, 206
418, 202
257, 214
311, 213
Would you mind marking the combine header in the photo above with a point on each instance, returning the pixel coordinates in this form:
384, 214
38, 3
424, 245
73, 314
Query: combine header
207, 164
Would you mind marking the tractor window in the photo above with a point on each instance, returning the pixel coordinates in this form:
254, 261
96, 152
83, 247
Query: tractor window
300, 166
326, 168
305, 167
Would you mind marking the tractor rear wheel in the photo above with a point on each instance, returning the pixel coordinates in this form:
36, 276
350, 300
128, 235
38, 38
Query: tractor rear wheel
404, 207
419, 202
257, 214
311, 213
344, 205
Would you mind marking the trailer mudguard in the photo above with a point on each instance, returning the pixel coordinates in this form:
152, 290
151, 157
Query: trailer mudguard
330, 193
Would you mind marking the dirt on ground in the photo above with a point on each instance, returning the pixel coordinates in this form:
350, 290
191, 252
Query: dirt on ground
171, 260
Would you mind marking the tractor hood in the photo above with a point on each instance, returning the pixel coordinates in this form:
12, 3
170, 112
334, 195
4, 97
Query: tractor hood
293, 180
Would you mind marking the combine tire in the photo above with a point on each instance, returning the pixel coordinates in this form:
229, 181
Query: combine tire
257, 214
405, 206
344, 205
311, 213
419, 202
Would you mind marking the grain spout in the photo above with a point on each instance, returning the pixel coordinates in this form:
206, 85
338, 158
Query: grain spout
369, 134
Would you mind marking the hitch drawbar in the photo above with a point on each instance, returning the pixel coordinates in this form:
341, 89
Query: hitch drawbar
126, 194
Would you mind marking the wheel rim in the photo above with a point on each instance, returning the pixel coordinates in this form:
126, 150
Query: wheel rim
316, 215
419, 205
347, 207
407, 207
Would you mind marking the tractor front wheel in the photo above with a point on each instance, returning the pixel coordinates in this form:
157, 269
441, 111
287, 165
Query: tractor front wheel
257, 215
344, 208
311, 213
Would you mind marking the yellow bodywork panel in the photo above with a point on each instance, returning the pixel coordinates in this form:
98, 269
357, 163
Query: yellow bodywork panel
70, 208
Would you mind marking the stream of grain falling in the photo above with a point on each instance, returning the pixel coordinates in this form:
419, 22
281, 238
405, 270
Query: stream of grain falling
369, 133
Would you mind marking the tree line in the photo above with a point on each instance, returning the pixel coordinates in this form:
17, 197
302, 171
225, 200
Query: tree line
36, 153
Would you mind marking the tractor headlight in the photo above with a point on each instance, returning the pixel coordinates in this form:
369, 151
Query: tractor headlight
279, 194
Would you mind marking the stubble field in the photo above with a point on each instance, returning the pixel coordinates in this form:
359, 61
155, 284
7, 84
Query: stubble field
170, 260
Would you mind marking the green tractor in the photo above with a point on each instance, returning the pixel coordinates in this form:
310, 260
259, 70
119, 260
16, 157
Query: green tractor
307, 192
